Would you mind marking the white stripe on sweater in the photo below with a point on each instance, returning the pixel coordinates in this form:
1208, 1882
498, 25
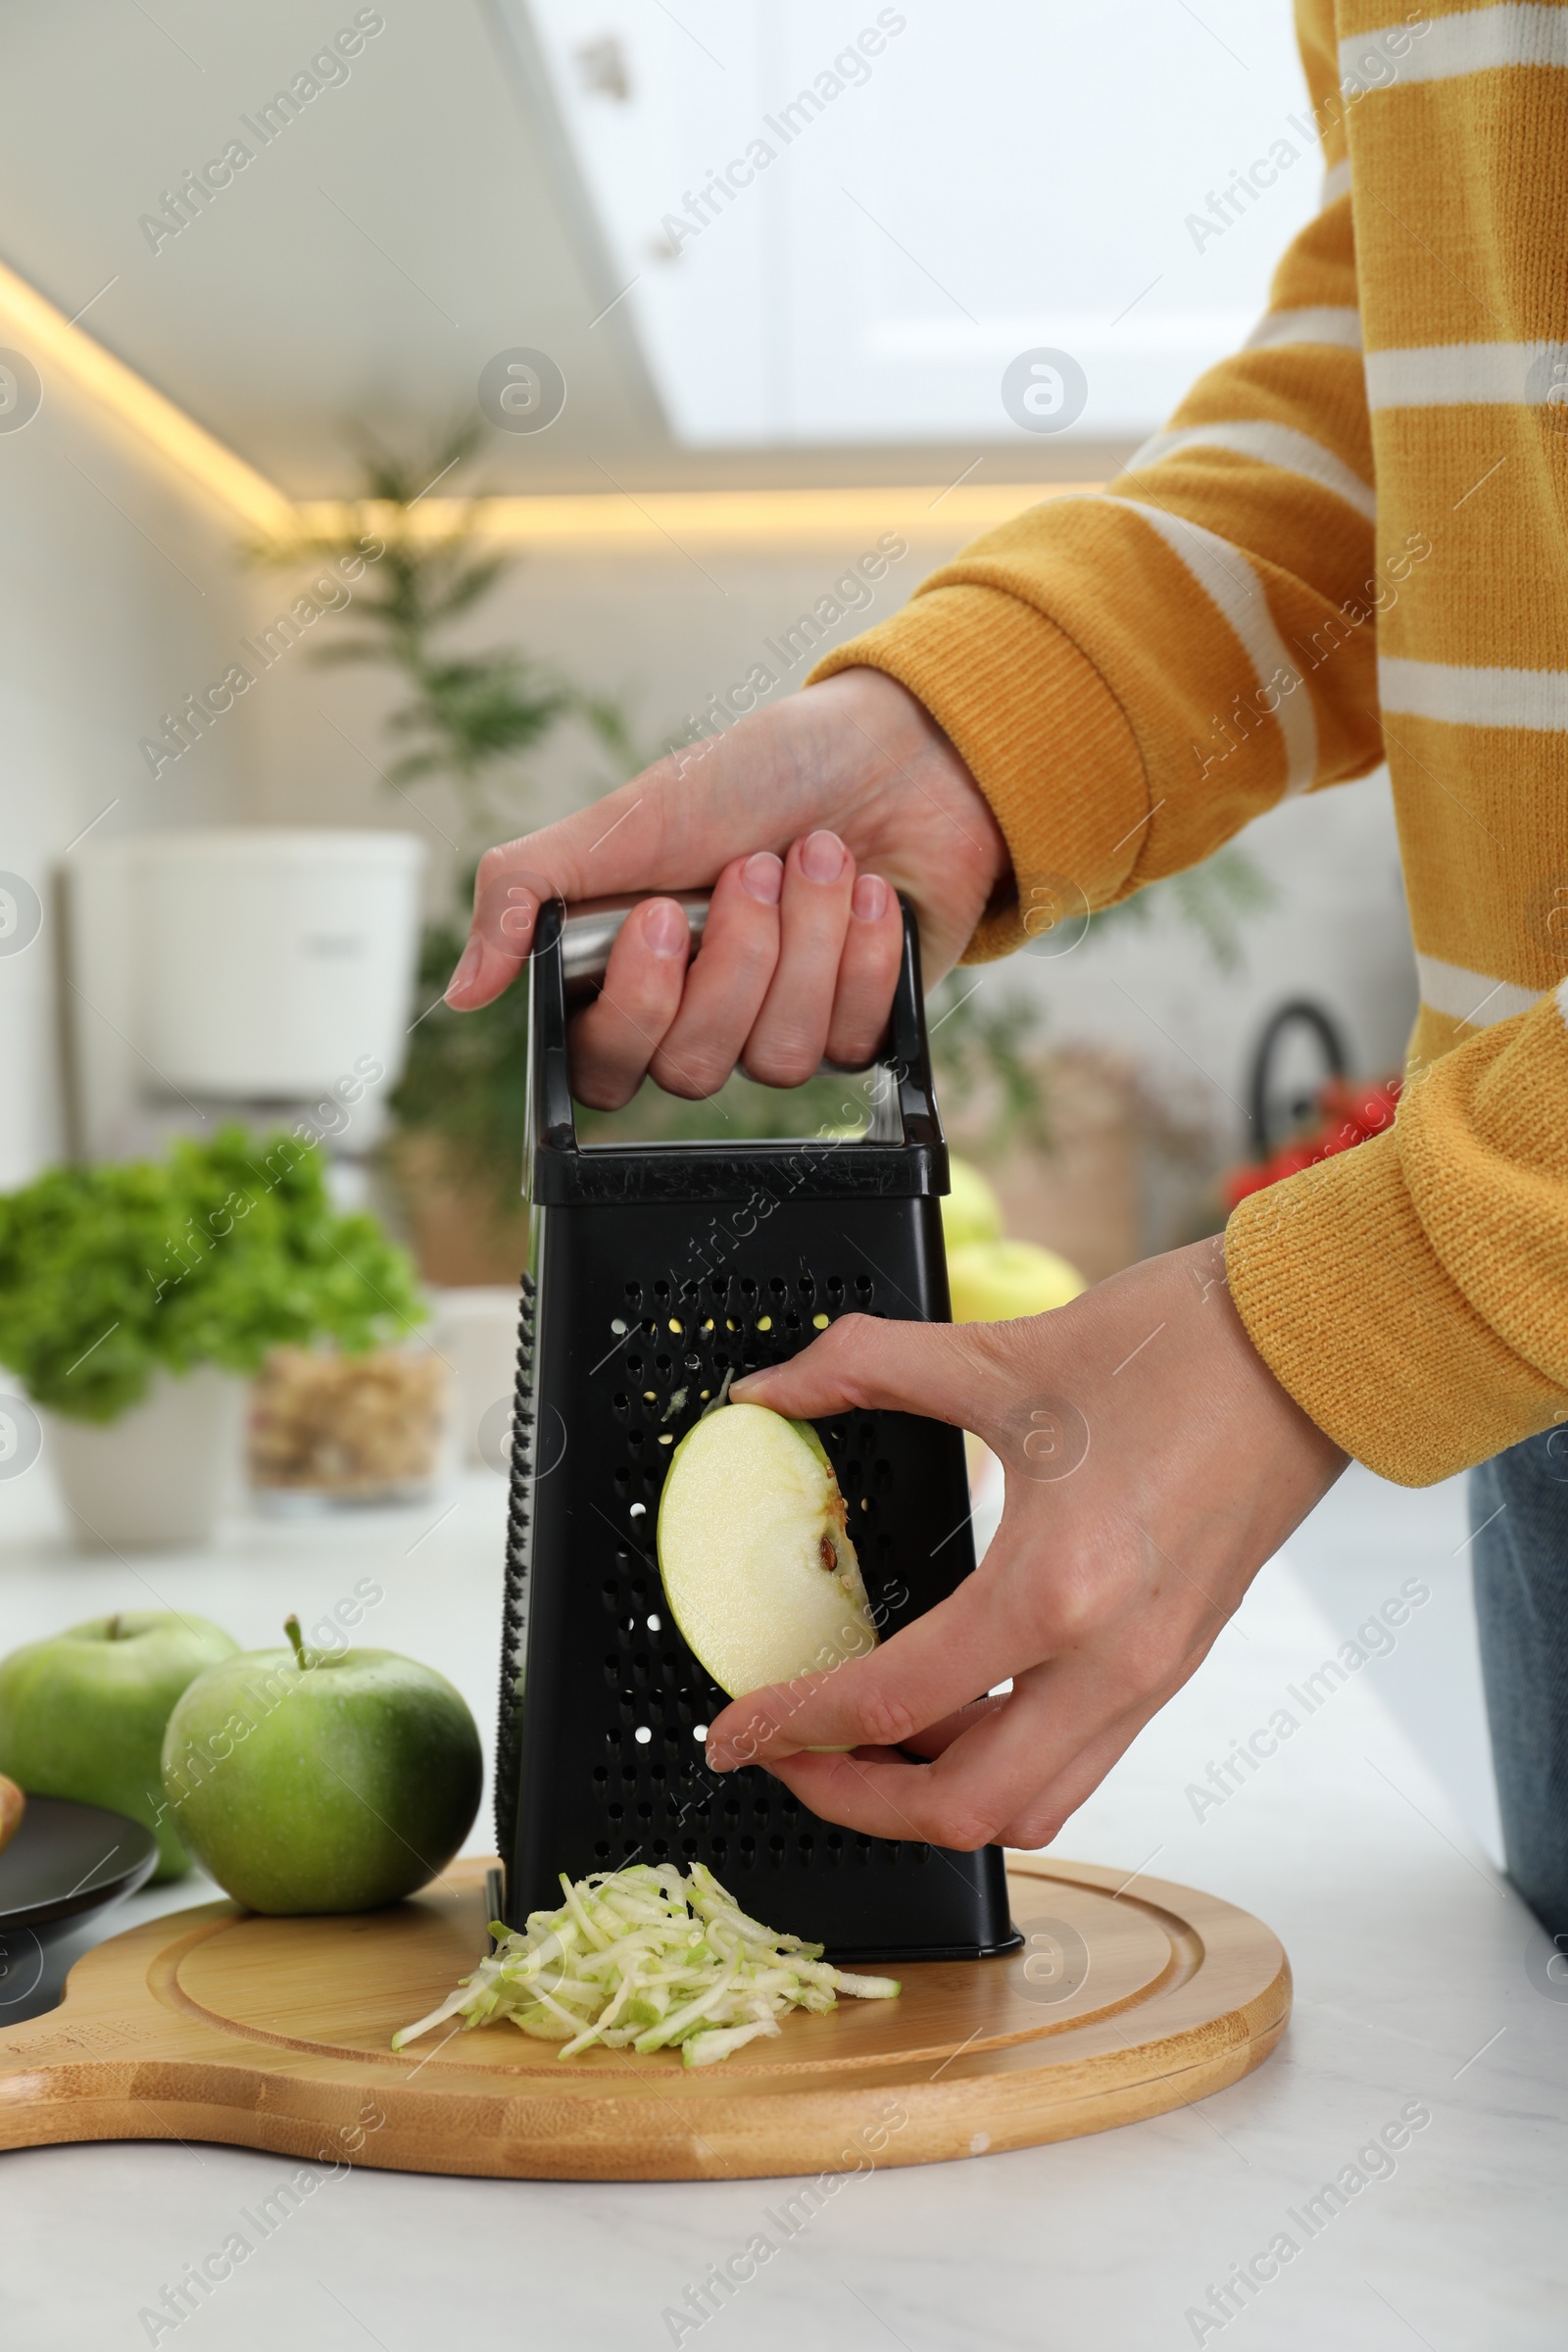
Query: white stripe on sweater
1272, 445
1335, 183
1437, 375
1227, 578
1525, 32
1471, 997
1460, 697
1326, 325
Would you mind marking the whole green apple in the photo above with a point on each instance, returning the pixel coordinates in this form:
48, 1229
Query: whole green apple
82, 1715
313, 1781
992, 1282
970, 1209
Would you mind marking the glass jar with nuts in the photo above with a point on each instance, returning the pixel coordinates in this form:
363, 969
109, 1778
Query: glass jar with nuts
326, 1428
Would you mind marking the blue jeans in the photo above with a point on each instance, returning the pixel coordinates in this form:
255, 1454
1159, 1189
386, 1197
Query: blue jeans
1519, 1510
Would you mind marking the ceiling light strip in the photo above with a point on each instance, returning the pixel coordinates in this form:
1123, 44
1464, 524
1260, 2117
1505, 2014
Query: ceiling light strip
53, 343
651, 518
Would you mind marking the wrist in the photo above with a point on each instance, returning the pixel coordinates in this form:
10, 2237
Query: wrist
922, 819
1242, 1379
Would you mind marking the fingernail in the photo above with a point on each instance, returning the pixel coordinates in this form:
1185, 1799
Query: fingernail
870, 897
468, 963
665, 928
762, 878
822, 856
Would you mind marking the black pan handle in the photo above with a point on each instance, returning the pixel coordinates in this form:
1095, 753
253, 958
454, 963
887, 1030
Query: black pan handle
1299, 1013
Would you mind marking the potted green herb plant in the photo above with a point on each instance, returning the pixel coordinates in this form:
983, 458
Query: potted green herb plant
136, 1299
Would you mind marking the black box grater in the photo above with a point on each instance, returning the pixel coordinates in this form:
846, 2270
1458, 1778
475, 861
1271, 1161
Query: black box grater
653, 1270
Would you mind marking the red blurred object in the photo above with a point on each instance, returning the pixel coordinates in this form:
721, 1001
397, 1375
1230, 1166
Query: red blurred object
1350, 1110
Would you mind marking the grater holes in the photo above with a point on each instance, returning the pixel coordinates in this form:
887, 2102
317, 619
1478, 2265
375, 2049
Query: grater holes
674, 1364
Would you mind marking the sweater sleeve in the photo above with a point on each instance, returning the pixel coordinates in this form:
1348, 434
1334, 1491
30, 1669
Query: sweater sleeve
1408, 1293
1131, 676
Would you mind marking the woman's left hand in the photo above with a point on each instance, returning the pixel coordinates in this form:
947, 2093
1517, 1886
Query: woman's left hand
1153, 1463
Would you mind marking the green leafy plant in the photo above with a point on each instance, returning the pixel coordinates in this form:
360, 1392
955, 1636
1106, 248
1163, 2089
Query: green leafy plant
468, 712
214, 1255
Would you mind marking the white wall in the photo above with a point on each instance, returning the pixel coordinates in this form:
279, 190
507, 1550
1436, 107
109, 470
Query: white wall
123, 596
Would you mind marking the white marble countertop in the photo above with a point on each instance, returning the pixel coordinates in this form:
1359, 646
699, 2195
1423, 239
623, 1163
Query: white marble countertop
1419, 1976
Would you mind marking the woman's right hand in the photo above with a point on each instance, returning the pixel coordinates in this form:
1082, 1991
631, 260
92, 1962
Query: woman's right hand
807, 819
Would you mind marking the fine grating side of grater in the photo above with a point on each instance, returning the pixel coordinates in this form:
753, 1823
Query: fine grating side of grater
653, 1270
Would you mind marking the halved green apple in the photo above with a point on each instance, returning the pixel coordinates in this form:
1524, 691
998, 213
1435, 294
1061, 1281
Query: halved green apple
754, 1551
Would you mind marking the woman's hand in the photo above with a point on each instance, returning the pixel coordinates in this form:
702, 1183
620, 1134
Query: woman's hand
1153, 1463
807, 818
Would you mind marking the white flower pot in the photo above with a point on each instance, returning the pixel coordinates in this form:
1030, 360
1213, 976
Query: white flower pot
154, 1477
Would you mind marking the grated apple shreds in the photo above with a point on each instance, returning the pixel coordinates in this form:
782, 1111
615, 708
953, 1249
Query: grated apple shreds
647, 1957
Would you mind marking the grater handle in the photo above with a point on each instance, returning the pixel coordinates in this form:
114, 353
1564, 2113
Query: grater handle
571, 951
592, 927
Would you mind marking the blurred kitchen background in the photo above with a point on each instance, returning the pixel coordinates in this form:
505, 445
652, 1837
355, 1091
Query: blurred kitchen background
625, 332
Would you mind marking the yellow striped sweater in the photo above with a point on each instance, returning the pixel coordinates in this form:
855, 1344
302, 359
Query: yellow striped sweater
1349, 545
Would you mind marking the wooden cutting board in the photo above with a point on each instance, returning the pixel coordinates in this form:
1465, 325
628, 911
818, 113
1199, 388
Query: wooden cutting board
1127, 1998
